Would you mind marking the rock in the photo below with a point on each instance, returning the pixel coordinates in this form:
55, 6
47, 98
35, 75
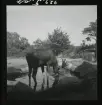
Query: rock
69, 65
13, 70
67, 80
11, 83
13, 73
24, 69
86, 70
59, 61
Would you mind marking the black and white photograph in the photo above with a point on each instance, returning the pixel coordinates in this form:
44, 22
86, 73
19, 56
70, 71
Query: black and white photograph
51, 52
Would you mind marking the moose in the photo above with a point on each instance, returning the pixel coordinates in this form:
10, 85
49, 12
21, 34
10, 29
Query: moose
40, 58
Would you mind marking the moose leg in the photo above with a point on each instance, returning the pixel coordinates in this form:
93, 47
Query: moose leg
34, 77
54, 69
29, 75
56, 80
47, 75
42, 67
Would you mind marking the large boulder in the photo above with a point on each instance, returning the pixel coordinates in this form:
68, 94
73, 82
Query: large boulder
13, 70
68, 80
13, 73
88, 73
86, 70
25, 69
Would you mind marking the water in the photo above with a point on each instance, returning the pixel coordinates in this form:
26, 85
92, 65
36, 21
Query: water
39, 77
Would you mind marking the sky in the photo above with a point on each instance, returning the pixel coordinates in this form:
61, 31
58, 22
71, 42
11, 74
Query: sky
35, 22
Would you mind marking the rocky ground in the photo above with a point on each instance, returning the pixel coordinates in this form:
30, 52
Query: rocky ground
20, 64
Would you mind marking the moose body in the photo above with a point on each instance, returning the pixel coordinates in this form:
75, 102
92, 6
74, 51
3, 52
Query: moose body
40, 58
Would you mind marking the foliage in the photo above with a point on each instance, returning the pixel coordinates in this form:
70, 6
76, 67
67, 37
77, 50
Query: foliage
59, 40
37, 43
91, 31
72, 52
16, 44
24, 43
84, 47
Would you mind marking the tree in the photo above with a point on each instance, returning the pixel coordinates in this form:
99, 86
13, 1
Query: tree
16, 44
59, 40
24, 43
70, 51
91, 31
46, 44
37, 43
13, 43
83, 47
